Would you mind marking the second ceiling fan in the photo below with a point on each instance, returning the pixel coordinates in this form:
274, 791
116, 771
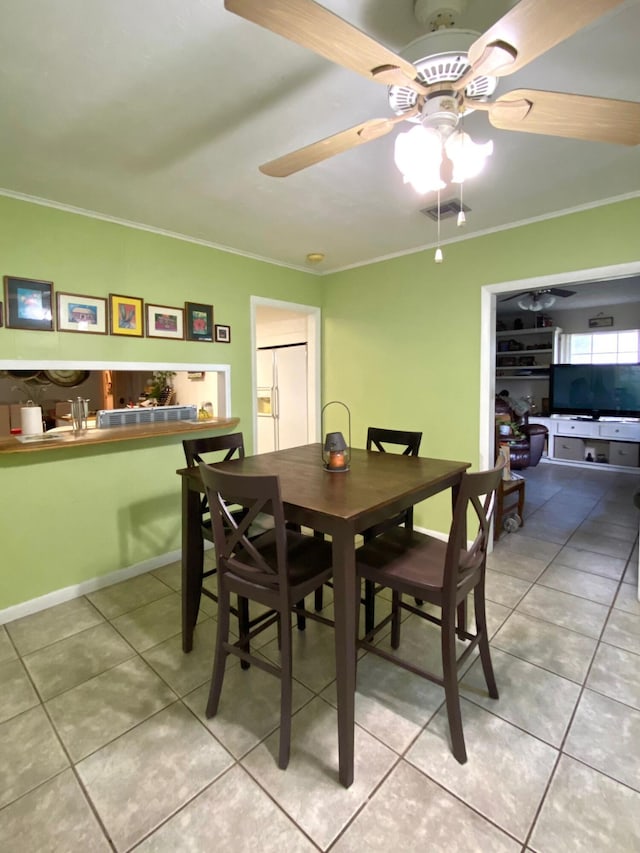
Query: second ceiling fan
529, 29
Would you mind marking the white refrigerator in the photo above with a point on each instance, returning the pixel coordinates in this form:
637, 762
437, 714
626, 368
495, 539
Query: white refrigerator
282, 397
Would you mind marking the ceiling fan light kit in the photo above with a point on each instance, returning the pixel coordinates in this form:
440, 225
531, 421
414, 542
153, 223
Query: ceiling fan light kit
536, 301
450, 65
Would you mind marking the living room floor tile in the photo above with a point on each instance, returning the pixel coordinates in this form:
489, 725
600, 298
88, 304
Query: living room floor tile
600, 544
586, 811
97, 711
48, 626
505, 775
311, 776
623, 630
568, 611
589, 561
54, 817
249, 707
505, 589
556, 649
7, 652
135, 786
128, 595
247, 811
410, 812
627, 599
531, 698
616, 673
17, 694
583, 584
31, 754
606, 735
69, 662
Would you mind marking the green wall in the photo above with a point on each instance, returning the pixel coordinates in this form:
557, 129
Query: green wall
68, 516
401, 342
402, 337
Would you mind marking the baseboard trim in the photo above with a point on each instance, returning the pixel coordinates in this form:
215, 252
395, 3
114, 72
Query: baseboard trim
59, 596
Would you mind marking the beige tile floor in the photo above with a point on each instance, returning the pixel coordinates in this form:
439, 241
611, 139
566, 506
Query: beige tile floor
104, 744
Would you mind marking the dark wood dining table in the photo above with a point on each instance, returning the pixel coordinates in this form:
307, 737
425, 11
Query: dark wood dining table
377, 486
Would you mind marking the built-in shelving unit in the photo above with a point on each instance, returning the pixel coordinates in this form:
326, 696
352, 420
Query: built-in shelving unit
523, 356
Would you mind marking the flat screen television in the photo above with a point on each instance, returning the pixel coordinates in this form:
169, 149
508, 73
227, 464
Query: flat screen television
595, 390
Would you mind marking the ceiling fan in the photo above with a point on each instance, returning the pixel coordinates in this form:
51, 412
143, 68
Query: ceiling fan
539, 300
438, 104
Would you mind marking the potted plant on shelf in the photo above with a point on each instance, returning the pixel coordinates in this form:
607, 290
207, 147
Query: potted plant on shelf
161, 390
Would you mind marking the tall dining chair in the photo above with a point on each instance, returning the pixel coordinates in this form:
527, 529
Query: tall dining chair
222, 448
443, 574
276, 569
383, 440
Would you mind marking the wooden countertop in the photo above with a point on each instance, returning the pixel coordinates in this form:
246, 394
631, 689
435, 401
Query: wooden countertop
69, 439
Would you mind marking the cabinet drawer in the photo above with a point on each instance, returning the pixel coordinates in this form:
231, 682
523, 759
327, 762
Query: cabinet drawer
569, 448
630, 432
623, 453
576, 428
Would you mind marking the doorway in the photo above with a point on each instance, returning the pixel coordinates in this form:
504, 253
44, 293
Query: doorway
285, 341
489, 297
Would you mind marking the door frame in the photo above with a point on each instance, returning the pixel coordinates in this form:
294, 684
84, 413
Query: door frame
488, 299
313, 316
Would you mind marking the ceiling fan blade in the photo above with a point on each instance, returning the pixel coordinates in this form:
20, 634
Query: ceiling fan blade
515, 296
312, 26
367, 131
560, 291
528, 30
571, 116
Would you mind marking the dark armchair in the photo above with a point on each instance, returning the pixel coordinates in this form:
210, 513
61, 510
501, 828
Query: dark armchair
527, 443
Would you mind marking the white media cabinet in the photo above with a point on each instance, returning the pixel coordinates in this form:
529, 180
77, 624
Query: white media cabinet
615, 443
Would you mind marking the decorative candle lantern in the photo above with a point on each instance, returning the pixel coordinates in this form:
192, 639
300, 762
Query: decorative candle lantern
336, 453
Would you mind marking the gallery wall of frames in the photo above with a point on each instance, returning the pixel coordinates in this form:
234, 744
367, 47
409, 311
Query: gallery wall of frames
32, 304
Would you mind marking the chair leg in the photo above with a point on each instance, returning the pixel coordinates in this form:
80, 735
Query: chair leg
318, 597
499, 513
462, 619
521, 503
396, 598
220, 656
301, 618
285, 694
369, 606
243, 628
483, 643
450, 679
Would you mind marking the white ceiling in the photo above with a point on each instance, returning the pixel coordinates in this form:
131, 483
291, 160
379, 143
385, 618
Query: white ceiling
159, 113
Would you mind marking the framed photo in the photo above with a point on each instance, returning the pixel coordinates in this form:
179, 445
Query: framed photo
599, 321
165, 322
199, 320
76, 313
29, 303
223, 334
126, 314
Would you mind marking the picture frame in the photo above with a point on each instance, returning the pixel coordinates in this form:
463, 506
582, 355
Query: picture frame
198, 321
599, 321
126, 315
79, 313
28, 303
222, 334
165, 321
1, 323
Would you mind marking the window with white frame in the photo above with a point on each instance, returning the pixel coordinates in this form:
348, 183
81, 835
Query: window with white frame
601, 347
